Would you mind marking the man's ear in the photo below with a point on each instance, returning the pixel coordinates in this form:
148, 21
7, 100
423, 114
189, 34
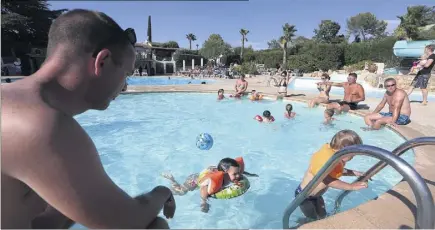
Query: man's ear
101, 61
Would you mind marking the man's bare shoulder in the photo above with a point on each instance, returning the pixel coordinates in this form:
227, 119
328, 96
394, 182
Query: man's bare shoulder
399, 94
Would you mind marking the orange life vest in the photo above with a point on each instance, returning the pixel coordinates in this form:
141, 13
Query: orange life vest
216, 178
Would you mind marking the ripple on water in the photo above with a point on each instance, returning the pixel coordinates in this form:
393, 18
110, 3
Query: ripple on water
141, 136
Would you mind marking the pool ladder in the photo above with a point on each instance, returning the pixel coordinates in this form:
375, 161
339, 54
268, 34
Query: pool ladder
425, 205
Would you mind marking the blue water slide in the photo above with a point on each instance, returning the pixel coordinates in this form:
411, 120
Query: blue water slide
410, 49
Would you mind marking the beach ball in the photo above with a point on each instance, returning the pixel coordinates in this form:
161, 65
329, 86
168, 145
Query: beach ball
204, 141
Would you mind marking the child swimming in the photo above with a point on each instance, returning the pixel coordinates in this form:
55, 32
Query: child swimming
288, 111
221, 94
267, 117
328, 116
212, 181
255, 96
314, 206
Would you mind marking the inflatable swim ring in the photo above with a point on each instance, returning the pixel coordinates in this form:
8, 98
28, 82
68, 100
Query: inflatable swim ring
258, 118
233, 190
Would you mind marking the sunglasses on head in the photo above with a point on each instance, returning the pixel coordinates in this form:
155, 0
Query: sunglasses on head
128, 34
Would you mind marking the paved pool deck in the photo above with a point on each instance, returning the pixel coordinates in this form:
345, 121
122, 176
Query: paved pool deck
395, 209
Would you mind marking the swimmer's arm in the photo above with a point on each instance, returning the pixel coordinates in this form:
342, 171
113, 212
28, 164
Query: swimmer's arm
250, 174
204, 194
337, 184
65, 170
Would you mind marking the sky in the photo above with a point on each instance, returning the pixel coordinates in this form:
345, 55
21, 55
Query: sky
172, 20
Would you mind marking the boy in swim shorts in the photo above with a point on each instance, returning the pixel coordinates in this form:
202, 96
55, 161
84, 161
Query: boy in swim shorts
211, 180
313, 206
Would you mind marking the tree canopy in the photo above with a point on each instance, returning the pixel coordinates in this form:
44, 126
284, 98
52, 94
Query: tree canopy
366, 25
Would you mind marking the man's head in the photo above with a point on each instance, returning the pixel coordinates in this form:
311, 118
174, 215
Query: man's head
390, 85
242, 77
231, 168
352, 78
94, 53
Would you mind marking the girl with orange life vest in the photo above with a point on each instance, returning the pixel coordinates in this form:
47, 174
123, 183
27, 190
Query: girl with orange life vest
213, 180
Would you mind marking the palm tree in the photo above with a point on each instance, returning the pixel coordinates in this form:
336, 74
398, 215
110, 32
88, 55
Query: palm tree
288, 33
243, 32
191, 37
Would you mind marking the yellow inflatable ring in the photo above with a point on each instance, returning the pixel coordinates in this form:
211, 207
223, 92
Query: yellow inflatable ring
233, 190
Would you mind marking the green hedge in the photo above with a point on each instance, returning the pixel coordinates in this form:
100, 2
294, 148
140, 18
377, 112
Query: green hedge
377, 50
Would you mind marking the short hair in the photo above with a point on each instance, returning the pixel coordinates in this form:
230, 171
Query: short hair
389, 79
266, 113
330, 112
325, 75
353, 75
83, 32
345, 138
226, 163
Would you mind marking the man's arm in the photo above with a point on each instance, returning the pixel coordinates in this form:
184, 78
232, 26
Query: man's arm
381, 105
335, 84
361, 94
61, 164
397, 102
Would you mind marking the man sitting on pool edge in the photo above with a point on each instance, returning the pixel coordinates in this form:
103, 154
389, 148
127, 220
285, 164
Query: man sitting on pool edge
399, 108
240, 87
353, 94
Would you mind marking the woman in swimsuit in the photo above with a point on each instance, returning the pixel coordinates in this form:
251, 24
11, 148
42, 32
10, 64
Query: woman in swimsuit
324, 91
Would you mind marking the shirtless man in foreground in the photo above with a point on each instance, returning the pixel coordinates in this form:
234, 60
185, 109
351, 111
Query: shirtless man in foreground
399, 109
51, 172
353, 94
241, 86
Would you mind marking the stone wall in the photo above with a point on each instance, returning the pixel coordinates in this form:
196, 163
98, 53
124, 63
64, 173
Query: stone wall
403, 81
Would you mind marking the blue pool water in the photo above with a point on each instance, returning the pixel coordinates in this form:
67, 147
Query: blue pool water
164, 80
309, 85
141, 136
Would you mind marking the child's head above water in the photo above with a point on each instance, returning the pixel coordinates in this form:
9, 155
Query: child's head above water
266, 114
253, 91
345, 138
329, 113
220, 91
230, 167
289, 107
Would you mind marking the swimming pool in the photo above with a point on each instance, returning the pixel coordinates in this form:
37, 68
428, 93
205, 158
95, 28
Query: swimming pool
309, 84
141, 136
165, 80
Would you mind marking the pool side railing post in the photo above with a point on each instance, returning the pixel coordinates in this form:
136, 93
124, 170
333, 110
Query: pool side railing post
400, 150
425, 205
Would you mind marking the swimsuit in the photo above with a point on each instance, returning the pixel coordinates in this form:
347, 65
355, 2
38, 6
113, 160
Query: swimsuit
352, 105
402, 120
312, 207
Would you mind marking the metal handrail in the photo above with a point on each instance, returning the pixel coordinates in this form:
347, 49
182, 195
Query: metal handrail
423, 196
401, 149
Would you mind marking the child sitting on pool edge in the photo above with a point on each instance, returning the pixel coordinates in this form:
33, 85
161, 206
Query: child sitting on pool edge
212, 180
288, 111
267, 117
221, 94
328, 116
313, 206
